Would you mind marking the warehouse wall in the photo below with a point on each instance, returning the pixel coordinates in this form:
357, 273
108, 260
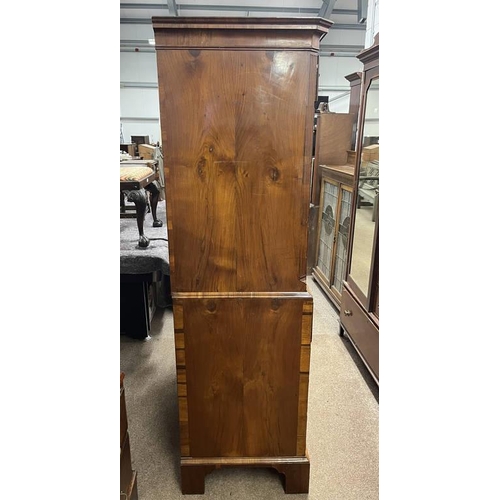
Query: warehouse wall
372, 23
139, 101
334, 67
332, 82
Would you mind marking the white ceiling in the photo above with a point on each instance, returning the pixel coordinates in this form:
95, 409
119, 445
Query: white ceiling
345, 38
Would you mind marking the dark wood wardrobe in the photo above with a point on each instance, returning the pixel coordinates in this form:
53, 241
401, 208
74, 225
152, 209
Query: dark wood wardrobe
359, 311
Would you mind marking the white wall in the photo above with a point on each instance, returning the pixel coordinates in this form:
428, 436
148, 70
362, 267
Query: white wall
139, 100
333, 69
332, 82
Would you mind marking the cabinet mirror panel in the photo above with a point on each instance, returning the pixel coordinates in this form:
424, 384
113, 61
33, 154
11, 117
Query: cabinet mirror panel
368, 193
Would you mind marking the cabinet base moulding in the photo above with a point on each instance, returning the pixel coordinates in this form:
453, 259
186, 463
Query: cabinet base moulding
295, 470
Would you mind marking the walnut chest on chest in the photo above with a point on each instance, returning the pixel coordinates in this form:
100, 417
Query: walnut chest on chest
237, 108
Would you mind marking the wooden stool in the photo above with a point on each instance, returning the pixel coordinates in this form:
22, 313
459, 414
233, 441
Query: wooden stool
134, 182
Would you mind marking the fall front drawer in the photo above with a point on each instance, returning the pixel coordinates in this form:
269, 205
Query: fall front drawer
361, 330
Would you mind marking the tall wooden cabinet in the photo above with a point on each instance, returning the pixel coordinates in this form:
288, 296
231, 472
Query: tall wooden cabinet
359, 312
237, 106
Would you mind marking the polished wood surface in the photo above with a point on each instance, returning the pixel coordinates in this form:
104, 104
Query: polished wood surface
295, 470
354, 80
361, 329
342, 173
237, 108
242, 164
227, 352
333, 140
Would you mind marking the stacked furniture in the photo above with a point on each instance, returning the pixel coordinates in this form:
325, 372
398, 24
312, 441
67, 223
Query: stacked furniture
237, 108
332, 142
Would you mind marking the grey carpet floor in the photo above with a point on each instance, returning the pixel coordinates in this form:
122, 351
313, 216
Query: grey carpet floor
137, 260
342, 426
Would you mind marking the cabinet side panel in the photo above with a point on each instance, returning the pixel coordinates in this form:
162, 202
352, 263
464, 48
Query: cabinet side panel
237, 186
243, 362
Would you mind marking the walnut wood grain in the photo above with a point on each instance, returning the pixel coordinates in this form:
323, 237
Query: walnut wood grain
333, 140
295, 469
243, 359
237, 109
243, 166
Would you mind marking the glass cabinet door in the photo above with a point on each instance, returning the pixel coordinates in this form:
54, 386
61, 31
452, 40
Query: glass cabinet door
340, 258
366, 216
336, 203
327, 229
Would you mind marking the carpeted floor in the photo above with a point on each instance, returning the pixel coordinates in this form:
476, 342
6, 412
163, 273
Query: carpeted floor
342, 425
137, 260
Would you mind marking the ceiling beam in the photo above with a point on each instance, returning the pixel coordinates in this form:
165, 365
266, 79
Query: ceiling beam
233, 8
172, 8
242, 8
341, 48
147, 20
326, 9
239, 8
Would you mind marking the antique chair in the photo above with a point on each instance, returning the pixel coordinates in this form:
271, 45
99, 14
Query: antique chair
138, 183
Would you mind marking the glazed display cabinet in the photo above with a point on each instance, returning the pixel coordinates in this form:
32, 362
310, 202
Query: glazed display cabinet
237, 108
333, 229
359, 312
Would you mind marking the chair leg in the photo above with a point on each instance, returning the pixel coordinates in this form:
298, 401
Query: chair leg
139, 198
122, 202
155, 196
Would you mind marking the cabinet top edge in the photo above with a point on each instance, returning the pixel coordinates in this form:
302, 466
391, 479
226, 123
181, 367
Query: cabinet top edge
369, 54
248, 23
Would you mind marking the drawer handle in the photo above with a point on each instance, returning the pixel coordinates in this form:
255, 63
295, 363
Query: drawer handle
347, 312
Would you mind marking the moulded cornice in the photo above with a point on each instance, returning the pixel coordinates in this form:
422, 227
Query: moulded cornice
271, 23
353, 77
370, 54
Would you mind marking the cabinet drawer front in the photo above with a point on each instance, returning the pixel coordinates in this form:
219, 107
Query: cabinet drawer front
362, 331
246, 363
